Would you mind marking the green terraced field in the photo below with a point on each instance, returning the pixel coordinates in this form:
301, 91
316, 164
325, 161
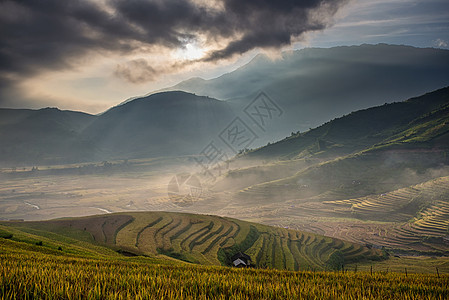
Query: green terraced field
202, 239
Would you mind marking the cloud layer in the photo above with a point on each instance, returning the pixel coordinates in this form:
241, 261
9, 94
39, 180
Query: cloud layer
40, 35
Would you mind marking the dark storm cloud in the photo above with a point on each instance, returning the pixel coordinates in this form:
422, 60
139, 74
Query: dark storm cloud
136, 71
52, 34
46, 33
264, 23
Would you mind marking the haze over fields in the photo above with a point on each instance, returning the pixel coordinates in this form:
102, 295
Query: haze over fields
301, 135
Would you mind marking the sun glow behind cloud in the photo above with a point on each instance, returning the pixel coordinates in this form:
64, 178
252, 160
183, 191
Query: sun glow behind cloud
89, 55
191, 51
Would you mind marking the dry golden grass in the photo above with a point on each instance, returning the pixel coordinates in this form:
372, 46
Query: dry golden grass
28, 274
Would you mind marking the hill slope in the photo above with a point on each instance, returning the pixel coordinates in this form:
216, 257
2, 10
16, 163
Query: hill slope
360, 160
376, 138
364, 128
164, 124
199, 239
46, 135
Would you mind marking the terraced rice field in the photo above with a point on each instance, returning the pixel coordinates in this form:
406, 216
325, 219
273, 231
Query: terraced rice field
403, 204
212, 240
413, 218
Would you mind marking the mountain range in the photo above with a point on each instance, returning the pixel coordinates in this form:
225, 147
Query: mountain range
315, 85
163, 124
310, 87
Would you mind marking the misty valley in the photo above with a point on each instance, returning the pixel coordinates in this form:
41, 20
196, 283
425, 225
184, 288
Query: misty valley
321, 161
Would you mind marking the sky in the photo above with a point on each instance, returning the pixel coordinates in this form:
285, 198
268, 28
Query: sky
89, 55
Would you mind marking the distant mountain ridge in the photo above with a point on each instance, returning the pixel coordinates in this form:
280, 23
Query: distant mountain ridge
314, 85
163, 124
372, 127
44, 135
311, 86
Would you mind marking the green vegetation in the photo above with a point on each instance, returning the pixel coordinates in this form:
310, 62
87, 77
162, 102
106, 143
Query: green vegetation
5, 234
336, 261
225, 254
420, 119
199, 239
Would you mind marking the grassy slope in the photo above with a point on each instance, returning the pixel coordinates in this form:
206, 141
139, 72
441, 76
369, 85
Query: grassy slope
351, 145
199, 239
361, 129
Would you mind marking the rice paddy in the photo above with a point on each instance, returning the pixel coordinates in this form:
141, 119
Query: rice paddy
28, 272
204, 239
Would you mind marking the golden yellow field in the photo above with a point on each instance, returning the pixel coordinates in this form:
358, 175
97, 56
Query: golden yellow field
27, 272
